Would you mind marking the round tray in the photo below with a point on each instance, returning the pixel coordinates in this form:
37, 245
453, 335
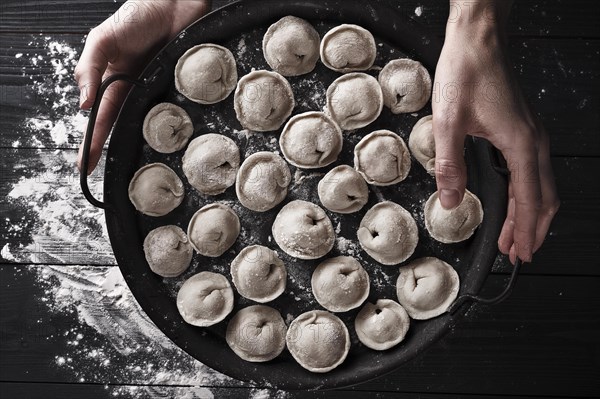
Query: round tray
240, 27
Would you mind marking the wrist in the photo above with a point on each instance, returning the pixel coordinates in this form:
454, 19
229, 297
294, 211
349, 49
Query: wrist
480, 18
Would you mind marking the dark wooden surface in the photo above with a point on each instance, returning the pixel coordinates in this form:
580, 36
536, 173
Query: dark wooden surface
541, 342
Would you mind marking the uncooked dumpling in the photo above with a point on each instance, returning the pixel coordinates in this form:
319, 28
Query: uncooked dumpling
256, 333
263, 101
454, 225
213, 230
406, 85
382, 158
258, 274
263, 181
388, 233
205, 299
291, 46
340, 284
206, 73
211, 163
343, 190
318, 340
426, 287
311, 140
348, 48
422, 143
354, 100
303, 230
167, 128
382, 325
168, 251
156, 190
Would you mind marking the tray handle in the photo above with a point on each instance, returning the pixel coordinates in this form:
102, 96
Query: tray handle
87, 143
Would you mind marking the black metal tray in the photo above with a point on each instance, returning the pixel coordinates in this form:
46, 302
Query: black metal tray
240, 27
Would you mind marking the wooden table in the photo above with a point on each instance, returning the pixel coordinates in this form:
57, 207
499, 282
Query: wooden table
66, 318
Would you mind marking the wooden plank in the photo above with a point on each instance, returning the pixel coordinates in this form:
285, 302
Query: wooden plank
91, 391
560, 77
574, 18
547, 330
49, 221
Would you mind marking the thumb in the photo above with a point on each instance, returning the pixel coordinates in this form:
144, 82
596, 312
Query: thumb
450, 168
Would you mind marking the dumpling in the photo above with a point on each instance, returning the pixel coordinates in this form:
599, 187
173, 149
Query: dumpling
340, 284
291, 46
343, 190
318, 340
422, 143
167, 128
263, 101
354, 100
256, 333
382, 325
262, 182
156, 190
211, 163
388, 233
258, 274
205, 299
348, 48
406, 85
426, 287
206, 73
311, 140
455, 225
303, 230
382, 158
213, 230
168, 251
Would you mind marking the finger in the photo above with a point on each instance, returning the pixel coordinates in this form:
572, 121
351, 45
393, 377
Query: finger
506, 239
450, 169
525, 181
99, 50
550, 201
107, 114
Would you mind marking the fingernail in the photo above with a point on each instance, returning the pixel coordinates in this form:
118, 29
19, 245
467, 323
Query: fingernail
82, 98
449, 199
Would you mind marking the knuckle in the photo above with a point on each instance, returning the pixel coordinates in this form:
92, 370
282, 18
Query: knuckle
552, 208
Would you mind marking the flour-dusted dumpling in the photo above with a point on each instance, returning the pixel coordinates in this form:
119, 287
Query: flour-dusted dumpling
263, 181
382, 325
340, 284
311, 140
382, 158
263, 101
348, 48
258, 274
213, 230
291, 46
422, 143
303, 230
388, 233
168, 251
205, 299
167, 128
454, 225
206, 73
318, 340
426, 287
211, 163
256, 333
343, 190
406, 85
156, 190
354, 100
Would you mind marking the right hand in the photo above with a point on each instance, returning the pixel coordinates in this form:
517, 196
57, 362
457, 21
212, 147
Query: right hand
124, 43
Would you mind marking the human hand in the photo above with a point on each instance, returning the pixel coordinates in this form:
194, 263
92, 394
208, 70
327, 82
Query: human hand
124, 43
476, 93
